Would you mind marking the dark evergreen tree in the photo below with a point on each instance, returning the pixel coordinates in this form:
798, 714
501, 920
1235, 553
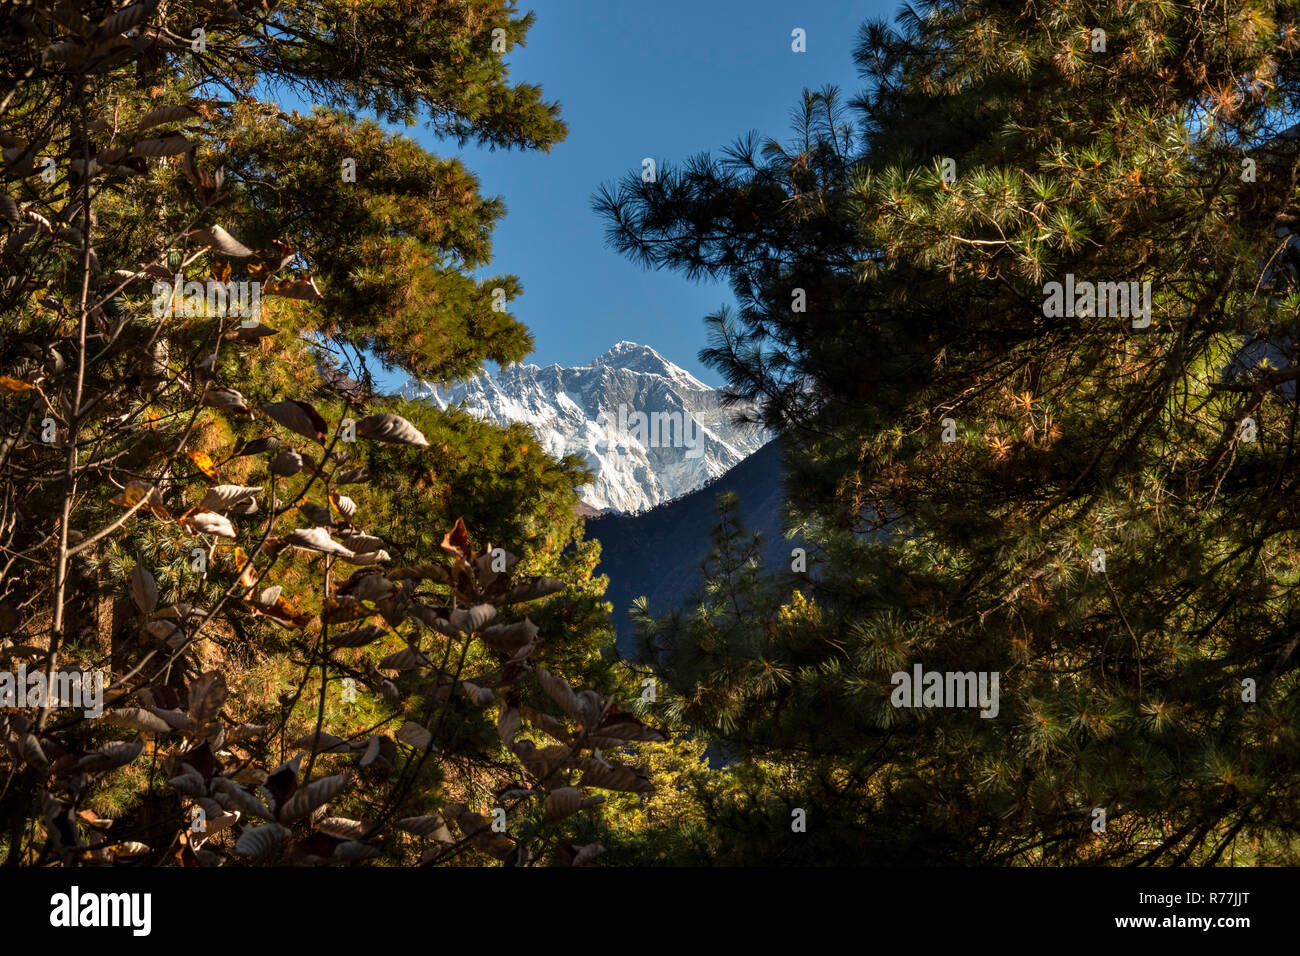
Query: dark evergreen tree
1097, 502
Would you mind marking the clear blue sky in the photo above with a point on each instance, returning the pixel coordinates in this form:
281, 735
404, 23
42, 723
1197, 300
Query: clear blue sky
666, 80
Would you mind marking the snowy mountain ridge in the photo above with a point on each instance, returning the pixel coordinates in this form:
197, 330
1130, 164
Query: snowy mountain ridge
648, 429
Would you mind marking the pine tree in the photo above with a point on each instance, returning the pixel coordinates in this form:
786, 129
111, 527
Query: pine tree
1093, 500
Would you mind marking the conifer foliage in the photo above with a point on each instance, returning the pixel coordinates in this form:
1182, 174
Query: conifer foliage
1025, 313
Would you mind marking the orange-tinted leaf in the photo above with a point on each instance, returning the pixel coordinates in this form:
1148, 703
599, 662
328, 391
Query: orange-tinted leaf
204, 463
456, 541
344, 505
137, 491
14, 384
283, 613
247, 575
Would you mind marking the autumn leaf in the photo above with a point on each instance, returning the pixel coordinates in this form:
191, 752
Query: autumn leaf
217, 238
388, 427
247, 576
283, 613
294, 289
456, 541
204, 463
299, 417
208, 522
137, 491
8, 384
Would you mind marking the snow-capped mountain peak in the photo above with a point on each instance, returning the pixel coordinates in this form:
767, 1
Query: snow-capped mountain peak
648, 429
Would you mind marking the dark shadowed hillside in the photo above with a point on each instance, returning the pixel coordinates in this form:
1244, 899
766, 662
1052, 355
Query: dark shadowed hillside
657, 553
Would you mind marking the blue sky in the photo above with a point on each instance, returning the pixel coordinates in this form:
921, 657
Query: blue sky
666, 80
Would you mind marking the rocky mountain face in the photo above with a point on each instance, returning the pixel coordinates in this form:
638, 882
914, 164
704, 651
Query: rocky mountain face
650, 431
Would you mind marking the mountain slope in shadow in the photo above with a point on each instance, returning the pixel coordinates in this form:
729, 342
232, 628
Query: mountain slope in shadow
657, 553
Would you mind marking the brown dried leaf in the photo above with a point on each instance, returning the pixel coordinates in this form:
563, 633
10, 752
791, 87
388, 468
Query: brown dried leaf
509, 724
190, 782
360, 542
352, 476
559, 690
316, 794
456, 541
177, 720
345, 506
245, 732
482, 696
207, 696
8, 384
388, 427
166, 114
408, 658
284, 613
341, 827
304, 288
261, 842
223, 496
563, 802
351, 851
323, 743
509, 637
129, 849
137, 718
240, 798
226, 399
368, 558
217, 238
470, 620
32, 752
286, 464
169, 146
341, 610
381, 752
110, 757
299, 417
624, 727
359, 637
315, 539
144, 589
208, 522
413, 735
432, 825
531, 590
587, 853
616, 776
